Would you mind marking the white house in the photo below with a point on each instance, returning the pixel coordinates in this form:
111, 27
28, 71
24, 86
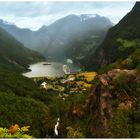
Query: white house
43, 85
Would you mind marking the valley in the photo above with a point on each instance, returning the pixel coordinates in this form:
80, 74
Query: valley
78, 36
79, 77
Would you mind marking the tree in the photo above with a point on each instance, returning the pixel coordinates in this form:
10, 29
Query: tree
119, 126
72, 133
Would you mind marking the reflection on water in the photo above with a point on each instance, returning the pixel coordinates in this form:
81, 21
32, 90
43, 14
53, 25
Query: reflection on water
53, 70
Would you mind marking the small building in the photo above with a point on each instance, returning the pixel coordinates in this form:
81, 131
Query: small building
71, 79
43, 85
63, 81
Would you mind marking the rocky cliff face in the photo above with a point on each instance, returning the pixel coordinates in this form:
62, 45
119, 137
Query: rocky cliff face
104, 100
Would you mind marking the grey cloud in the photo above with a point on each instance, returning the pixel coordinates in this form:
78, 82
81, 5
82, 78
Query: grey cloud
39, 13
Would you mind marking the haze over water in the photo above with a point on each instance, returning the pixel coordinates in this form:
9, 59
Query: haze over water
53, 70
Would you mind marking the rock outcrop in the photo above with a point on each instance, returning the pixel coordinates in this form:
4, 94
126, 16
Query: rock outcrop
99, 104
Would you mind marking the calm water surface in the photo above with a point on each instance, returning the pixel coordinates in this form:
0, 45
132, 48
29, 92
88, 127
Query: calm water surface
53, 70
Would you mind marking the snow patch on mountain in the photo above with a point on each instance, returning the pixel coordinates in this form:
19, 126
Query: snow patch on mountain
85, 17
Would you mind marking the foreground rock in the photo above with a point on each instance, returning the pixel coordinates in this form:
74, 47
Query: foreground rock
99, 104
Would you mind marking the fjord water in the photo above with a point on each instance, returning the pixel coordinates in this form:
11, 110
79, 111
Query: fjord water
52, 70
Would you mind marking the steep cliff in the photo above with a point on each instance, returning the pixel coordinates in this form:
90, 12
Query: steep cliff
128, 28
117, 89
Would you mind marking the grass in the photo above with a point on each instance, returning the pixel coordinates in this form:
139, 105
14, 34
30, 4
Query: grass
89, 76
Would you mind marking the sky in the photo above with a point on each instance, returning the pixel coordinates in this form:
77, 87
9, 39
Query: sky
33, 15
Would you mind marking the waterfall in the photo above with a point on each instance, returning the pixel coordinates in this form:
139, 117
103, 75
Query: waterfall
56, 127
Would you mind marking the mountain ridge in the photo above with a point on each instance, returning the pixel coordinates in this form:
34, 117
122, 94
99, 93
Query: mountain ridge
13, 55
72, 29
127, 28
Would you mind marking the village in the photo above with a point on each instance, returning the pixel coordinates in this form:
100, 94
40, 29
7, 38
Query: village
81, 82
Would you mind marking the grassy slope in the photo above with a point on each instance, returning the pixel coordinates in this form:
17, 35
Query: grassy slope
13, 55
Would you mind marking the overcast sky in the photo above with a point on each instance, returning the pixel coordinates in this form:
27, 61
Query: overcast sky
35, 14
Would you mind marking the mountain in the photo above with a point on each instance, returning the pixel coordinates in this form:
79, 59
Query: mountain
13, 55
25, 36
111, 48
73, 36
108, 106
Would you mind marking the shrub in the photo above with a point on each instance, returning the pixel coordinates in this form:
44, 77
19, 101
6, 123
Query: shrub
24, 111
15, 132
72, 133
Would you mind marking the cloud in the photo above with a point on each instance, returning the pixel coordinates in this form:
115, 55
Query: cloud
35, 14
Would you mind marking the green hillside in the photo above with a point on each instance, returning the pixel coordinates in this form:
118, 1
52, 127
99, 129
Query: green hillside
110, 50
20, 98
13, 55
